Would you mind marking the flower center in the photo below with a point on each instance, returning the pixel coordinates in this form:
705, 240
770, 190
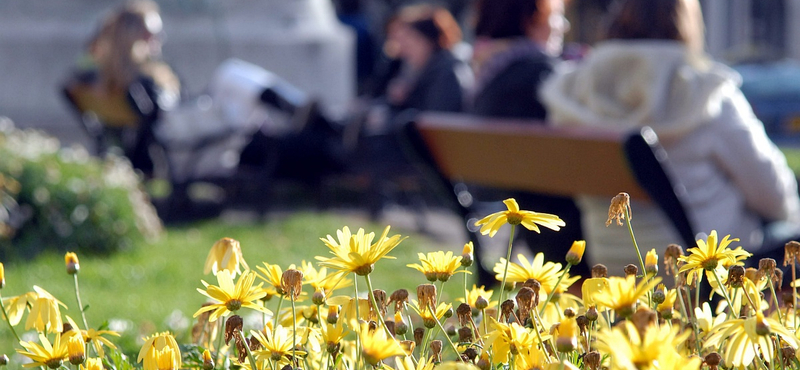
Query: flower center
364, 270
54, 363
233, 305
514, 218
710, 264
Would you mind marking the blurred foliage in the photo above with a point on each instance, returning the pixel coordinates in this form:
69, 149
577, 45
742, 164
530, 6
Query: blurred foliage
64, 199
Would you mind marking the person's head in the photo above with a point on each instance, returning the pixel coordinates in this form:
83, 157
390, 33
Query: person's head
679, 20
539, 20
423, 30
127, 39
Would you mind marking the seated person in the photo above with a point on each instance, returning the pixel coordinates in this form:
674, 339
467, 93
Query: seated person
652, 71
123, 83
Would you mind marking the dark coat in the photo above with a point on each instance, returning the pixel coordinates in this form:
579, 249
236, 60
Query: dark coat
512, 93
437, 87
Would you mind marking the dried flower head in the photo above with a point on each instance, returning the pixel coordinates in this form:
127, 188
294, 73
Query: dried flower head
620, 207
671, 256
400, 298
766, 267
465, 334
408, 346
599, 271
426, 294
791, 253
464, 314
507, 310
436, 350
525, 299
292, 283
712, 360
234, 324
592, 360
630, 270
419, 333
735, 276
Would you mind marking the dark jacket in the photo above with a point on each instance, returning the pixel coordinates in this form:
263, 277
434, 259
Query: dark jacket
437, 87
512, 92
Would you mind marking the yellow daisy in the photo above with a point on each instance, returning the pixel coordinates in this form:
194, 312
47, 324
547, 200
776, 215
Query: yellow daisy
95, 337
16, 306
709, 254
356, 253
650, 351
406, 363
333, 335
92, 364
226, 254
531, 358
437, 265
621, 294
428, 316
511, 338
276, 344
514, 216
705, 319
376, 346
473, 294
46, 354
546, 273
743, 343
155, 344
318, 279
230, 297
45, 314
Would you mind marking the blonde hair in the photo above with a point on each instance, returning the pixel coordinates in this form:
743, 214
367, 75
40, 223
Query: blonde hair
122, 51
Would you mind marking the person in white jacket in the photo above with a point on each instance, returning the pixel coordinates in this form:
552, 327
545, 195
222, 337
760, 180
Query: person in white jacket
652, 71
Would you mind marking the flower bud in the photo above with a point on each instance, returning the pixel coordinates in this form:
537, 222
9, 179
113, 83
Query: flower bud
467, 255
3, 360
484, 363
408, 346
659, 296
76, 348
2, 276
599, 271
713, 360
630, 270
651, 262
318, 298
208, 362
592, 314
93, 364
481, 303
71, 260
448, 313
575, 253
333, 314
762, 326
569, 312
567, 339
400, 327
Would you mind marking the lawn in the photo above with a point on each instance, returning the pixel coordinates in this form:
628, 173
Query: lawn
153, 287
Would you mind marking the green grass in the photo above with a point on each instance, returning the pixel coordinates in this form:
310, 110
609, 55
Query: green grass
153, 287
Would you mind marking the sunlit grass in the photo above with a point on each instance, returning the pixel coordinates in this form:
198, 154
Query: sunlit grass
152, 287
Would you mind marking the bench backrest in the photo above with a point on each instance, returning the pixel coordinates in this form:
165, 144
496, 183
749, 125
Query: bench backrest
531, 156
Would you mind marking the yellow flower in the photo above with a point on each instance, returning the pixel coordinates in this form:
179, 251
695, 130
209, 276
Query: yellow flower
531, 358
428, 316
318, 279
226, 254
437, 265
511, 338
16, 306
334, 333
651, 262
475, 292
2, 276
376, 346
456, 365
348, 312
76, 348
46, 355
356, 253
657, 347
621, 294
671, 295
709, 254
546, 273
154, 345
706, 321
95, 337
45, 314
231, 298
71, 261
166, 359
743, 343
592, 288
567, 338
276, 343
514, 216
93, 364
406, 363
575, 253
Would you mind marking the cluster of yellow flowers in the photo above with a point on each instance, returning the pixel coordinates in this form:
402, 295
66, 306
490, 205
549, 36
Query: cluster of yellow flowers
633, 322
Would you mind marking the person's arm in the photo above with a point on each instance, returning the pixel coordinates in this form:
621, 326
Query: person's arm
755, 164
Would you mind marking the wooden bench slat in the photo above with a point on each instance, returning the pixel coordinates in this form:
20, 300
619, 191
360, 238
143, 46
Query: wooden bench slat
523, 156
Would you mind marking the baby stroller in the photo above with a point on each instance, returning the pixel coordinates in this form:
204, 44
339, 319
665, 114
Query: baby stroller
249, 130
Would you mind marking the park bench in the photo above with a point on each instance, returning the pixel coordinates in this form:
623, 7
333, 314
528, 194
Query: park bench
458, 150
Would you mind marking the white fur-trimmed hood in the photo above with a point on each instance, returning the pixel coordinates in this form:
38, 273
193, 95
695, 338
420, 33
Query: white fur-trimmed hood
628, 84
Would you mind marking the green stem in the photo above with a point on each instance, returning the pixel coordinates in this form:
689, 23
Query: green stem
775, 299
358, 322
80, 305
724, 292
294, 331
505, 270
534, 321
466, 292
253, 364
551, 294
439, 324
794, 293
484, 320
5, 316
633, 239
687, 317
221, 333
277, 315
